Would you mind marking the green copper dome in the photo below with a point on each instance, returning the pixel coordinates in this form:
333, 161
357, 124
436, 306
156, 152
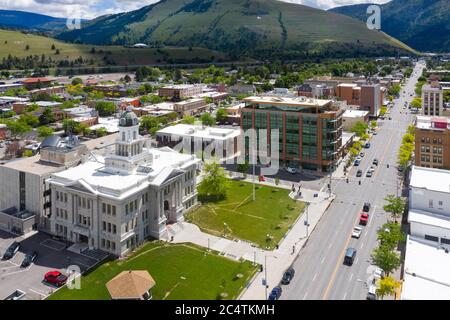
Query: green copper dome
128, 119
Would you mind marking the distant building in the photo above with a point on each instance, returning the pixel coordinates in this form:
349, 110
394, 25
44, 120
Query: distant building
349, 92
181, 91
36, 83
10, 86
432, 99
238, 89
310, 129
190, 107
432, 147
3, 131
371, 98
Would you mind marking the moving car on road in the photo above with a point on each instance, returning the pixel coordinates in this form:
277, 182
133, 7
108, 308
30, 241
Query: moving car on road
364, 219
375, 162
29, 259
372, 294
11, 251
287, 276
359, 173
350, 256
369, 173
357, 162
55, 278
366, 207
275, 294
356, 232
291, 170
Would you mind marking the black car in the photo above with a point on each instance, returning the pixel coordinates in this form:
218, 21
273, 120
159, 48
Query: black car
29, 258
287, 276
11, 251
359, 173
366, 207
275, 294
375, 162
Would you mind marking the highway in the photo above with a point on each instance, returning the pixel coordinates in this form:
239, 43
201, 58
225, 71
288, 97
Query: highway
320, 272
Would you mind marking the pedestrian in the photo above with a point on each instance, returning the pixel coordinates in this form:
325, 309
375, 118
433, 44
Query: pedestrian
293, 249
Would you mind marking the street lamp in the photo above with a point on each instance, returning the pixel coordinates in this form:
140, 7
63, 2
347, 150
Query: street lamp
265, 274
307, 222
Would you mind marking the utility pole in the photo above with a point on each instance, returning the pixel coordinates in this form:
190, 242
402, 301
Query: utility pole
265, 275
253, 155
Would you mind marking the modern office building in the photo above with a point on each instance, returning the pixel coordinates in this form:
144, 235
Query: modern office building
432, 99
371, 98
432, 147
310, 130
117, 201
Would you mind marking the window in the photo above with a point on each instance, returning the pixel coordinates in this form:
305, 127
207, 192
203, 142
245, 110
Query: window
431, 238
440, 203
109, 209
113, 210
104, 226
114, 228
126, 209
104, 207
445, 241
430, 203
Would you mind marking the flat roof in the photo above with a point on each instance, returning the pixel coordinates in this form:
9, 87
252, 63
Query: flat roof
427, 275
297, 101
426, 122
430, 179
420, 216
355, 113
190, 101
212, 133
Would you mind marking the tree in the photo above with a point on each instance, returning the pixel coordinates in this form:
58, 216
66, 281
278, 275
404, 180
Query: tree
387, 287
395, 90
188, 120
77, 81
101, 132
386, 259
127, 79
373, 124
359, 128
47, 117
105, 108
416, 103
150, 124
207, 119
71, 126
17, 128
390, 234
215, 184
395, 206
243, 168
221, 115
29, 119
44, 132
27, 154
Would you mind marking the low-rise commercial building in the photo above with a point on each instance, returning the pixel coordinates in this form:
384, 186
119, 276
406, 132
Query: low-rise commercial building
190, 107
181, 91
351, 117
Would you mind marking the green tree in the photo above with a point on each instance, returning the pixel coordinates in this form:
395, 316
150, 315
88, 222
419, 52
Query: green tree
71, 126
27, 154
150, 124
188, 120
390, 234
387, 287
101, 132
395, 206
105, 108
243, 168
221, 115
360, 128
77, 81
29, 119
44, 132
214, 185
47, 117
207, 119
17, 128
416, 103
373, 124
386, 259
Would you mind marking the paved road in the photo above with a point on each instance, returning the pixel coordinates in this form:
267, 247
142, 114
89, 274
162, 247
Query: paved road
320, 273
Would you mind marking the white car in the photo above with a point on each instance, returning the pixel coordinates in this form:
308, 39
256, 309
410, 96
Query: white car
291, 170
357, 232
378, 273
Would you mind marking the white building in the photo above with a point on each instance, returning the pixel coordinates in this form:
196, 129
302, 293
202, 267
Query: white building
115, 202
427, 259
351, 117
432, 99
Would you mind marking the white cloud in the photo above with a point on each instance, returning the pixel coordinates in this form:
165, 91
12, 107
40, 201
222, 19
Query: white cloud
88, 9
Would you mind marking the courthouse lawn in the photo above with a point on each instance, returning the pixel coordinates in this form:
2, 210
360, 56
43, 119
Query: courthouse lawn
181, 272
272, 213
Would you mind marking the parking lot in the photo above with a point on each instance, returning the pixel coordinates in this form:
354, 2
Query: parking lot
52, 255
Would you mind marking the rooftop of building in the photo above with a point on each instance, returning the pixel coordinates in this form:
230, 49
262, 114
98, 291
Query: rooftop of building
294, 101
430, 178
432, 122
349, 113
181, 86
426, 272
208, 133
424, 217
193, 100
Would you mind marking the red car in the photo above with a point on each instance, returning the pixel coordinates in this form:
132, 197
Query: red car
262, 178
364, 219
56, 278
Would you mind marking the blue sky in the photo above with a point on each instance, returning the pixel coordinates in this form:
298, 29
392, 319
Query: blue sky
88, 9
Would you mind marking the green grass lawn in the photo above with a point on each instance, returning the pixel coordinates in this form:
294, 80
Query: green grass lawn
272, 213
181, 272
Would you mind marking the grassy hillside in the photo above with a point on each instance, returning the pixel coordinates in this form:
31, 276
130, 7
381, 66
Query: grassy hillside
422, 24
29, 20
14, 43
254, 27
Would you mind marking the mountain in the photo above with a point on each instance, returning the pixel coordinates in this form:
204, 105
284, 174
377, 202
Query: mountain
421, 24
29, 21
258, 28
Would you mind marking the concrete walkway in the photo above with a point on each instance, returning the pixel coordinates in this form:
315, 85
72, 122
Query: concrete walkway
277, 260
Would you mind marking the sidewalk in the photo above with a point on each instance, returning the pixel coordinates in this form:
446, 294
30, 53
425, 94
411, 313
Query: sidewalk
284, 256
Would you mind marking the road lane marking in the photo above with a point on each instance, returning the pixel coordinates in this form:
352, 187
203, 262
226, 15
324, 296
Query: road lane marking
365, 233
362, 245
323, 259
345, 296
304, 297
314, 278
330, 245
338, 263
351, 277
356, 261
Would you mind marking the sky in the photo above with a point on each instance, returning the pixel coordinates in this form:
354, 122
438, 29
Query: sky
88, 9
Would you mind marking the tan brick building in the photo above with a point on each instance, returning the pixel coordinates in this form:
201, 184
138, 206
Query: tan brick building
432, 148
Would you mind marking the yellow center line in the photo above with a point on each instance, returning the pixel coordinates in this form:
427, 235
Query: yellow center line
338, 263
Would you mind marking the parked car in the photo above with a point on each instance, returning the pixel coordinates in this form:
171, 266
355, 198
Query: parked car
378, 273
29, 259
359, 173
11, 251
275, 294
350, 256
356, 232
372, 294
287, 276
366, 207
291, 170
369, 174
367, 146
371, 169
364, 219
55, 278
361, 154
357, 162
375, 162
